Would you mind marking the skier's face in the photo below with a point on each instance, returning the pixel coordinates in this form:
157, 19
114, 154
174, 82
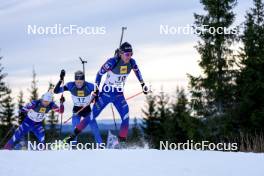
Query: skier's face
126, 56
45, 103
79, 83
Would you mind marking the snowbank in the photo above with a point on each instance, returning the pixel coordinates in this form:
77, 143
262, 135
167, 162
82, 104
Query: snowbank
138, 162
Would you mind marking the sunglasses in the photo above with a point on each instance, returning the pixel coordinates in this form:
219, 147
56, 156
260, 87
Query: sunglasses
81, 78
128, 54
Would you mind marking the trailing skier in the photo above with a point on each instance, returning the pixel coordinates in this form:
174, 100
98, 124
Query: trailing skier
35, 112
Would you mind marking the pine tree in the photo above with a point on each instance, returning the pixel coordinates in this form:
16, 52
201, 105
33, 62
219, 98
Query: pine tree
179, 122
52, 120
212, 93
20, 103
2, 86
151, 123
33, 89
136, 136
250, 82
6, 106
7, 109
156, 116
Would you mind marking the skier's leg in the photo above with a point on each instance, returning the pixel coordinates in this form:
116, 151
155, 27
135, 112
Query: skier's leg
123, 110
19, 133
100, 104
39, 132
75, 121
94, 127
96, 131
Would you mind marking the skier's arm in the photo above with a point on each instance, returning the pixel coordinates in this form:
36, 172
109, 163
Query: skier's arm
59, 89
58, 109
108, 65
136, 71
28, 107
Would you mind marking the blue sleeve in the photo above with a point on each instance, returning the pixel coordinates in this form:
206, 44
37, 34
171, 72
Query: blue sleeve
108, 65
53, 105
29, 106
91, 87
68, 86
59, 89
136, 70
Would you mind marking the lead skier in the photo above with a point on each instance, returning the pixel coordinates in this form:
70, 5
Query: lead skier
117, 68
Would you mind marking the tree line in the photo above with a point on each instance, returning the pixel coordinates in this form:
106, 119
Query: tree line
226, 101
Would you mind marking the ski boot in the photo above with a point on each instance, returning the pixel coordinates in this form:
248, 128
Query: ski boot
122, 142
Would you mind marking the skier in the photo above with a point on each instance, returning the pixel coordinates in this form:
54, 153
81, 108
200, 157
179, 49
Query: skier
80, 91
117, 69
35, 113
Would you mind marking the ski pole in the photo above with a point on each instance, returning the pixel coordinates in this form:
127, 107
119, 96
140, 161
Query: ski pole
91, 102
113, 113
7, 134
61, 116
134, 95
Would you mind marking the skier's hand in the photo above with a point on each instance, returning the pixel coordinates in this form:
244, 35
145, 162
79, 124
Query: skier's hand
22, 113
61, 108
62, 74
145, 88
62, 100
95, 94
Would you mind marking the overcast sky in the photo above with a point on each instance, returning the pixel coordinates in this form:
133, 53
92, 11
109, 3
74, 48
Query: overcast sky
164, 60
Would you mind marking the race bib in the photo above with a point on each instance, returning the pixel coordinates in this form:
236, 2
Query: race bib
116, 80
36, 116
80, 101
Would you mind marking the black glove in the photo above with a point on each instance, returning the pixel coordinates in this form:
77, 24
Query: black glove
22, 113
62, 74
62, 99
95, 94
145, 89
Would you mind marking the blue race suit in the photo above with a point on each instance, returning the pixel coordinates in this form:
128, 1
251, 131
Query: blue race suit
36, 113
80, 98
117, 72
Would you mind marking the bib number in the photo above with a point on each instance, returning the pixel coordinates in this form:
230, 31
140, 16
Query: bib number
80, 101
121, 79
35, 116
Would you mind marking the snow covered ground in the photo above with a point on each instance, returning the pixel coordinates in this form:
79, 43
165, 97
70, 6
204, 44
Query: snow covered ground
133, 162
